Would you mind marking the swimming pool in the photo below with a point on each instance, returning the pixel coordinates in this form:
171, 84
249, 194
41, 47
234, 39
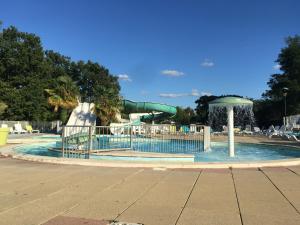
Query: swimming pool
219, 153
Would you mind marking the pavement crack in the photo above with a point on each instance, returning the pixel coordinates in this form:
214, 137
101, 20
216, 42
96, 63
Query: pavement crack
279, 190
293, 171
188, 198
236, 196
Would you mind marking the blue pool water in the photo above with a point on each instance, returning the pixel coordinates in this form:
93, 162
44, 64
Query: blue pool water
51, 137
219, 153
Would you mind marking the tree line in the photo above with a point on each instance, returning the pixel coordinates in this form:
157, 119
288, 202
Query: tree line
43, 85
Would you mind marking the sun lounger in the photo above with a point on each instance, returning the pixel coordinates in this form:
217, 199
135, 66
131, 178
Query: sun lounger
184, 129
6, 126
247, 130
257, 130
278, 131
29, 129
225, 130
237, 130
18, 129
294, 138
269, 130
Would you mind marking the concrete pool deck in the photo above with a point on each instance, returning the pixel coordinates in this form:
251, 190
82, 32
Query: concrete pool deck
37, 193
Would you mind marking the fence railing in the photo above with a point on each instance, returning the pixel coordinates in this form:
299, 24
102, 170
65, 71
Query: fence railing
82, 141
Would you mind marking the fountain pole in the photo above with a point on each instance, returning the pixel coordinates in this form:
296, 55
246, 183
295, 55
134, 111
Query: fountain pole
230, 130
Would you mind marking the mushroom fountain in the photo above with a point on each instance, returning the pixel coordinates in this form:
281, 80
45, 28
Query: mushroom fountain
230, 103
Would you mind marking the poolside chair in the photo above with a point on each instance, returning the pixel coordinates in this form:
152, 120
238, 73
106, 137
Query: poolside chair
276, 127
173, 129
184, 129
18, 129
212, 132
237, 130
270, 130
257, 130
278, 131
225, 129
30, 130
247, 130
193, 128
294, 138
289, 128
6, 126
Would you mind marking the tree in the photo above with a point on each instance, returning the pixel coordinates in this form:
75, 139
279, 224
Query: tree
22, 76
202, 108
265, 112
184, 116
64, 96
289, 61
57, 65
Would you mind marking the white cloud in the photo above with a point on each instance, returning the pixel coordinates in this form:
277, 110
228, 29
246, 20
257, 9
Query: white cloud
276, 67
206, 93
172, 95
124, 77
207, 63
172, 73
193, 93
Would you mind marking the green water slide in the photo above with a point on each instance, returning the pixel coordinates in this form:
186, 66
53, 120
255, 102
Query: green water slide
155, 110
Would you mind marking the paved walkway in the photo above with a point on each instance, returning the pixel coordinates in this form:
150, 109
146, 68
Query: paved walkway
34, 193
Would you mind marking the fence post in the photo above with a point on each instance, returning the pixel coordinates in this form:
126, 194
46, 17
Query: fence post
131, 136
90, 141
63, 141
206, 138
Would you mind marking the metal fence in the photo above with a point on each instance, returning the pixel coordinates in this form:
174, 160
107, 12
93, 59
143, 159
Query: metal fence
81, 141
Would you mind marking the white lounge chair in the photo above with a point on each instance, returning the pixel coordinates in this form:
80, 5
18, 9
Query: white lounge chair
257, 130
278, 131
6, 126
269, 130
18, 129
294, 138
247, 130
225, 130
215, 132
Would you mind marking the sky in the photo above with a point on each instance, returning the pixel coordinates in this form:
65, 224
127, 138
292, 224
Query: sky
166, 51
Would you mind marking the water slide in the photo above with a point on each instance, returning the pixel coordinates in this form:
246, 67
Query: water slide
141, 111
149, 110
82, 115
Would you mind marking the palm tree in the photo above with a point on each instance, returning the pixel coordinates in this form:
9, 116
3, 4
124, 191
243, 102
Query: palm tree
107, 106
64, 95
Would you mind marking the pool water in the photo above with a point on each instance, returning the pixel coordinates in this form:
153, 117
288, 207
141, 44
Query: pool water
51, 137
219, 153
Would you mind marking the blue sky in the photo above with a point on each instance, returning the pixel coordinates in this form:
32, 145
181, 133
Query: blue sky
166, 51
